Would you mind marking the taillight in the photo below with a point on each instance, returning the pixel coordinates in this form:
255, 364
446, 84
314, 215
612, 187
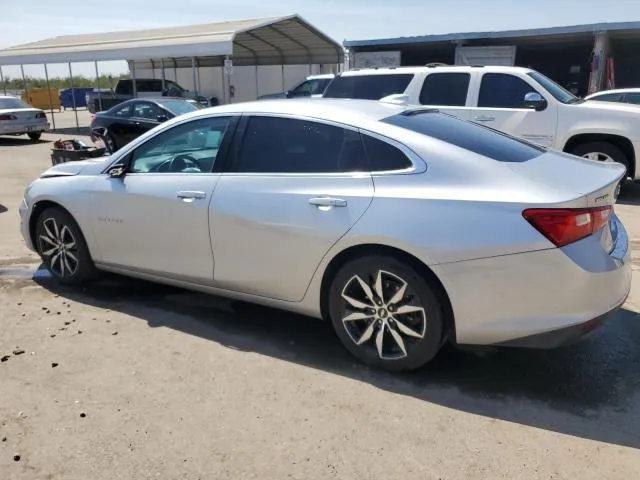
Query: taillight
563, 226
41, 115
8, 117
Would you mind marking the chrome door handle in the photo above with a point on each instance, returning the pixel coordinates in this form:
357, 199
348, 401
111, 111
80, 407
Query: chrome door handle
327, 202
484, 119
191, 195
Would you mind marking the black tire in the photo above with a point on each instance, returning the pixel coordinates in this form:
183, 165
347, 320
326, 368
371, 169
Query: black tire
426, 326
603, 147
35, 136
110, 143
55, 224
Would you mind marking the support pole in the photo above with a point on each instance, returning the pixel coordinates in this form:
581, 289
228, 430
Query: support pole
193, 72
164, 79
257, 82
4, 85
284, 88
133, 79
24, 83
95, 64
73, 97
46, 77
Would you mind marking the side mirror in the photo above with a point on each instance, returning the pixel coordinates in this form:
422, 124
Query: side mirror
117, 170
162, 118
535, 101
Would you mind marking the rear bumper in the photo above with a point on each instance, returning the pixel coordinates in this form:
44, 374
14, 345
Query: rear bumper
20, 128
562, 337
543, 297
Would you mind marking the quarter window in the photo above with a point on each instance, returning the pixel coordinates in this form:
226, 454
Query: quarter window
501, 90
448, 89
190, 147
286, 145
383, 156
632, 98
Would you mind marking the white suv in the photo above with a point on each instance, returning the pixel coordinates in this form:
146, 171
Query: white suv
518, 101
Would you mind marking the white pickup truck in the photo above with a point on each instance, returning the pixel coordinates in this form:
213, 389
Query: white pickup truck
518, 101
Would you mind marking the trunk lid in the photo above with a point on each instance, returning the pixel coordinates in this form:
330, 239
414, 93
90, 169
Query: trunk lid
587, 183
23, 114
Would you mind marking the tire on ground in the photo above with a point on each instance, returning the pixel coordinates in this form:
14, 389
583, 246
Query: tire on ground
419, 350
85, 269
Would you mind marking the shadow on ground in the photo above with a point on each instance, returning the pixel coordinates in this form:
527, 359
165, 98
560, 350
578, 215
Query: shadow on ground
20, 141
589, 390
3, 208
630, 194
84, 131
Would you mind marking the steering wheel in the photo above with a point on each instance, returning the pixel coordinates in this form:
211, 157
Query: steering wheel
179, 163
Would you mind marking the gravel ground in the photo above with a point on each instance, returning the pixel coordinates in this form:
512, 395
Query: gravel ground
132, 380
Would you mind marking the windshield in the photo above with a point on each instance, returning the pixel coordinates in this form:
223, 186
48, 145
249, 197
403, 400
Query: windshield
559, 93
368, 87
12, 103
179, 107
172, 86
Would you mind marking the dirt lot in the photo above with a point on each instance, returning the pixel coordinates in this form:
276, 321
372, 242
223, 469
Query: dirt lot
130, 380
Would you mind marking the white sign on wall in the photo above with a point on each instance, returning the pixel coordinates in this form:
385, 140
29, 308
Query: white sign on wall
376, 59
504, 55
228, 67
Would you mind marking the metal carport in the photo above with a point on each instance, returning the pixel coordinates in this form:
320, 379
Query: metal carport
275, 41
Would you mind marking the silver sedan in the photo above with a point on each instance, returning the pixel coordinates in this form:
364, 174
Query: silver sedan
404, 227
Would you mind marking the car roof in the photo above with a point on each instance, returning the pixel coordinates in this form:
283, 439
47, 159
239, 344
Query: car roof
339, 110
615, 90
320, 76
439, 69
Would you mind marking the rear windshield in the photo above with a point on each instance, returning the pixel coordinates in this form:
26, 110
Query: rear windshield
12, 103
470, 136
368, 87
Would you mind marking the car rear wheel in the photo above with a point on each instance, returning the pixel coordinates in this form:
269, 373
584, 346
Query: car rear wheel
110, 143
603, 152
385, 313
34, 135
62, 247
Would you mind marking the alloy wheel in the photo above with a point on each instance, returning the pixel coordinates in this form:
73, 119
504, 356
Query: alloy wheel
382, 312
599, 156
59, 248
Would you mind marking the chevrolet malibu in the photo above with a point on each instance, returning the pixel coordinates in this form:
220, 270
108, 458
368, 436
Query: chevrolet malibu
404, 227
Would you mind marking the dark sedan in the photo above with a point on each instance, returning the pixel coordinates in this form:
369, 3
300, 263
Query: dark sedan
128, 120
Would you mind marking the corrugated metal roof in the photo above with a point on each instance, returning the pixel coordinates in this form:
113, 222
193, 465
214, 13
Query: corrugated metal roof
288, 38
534, 32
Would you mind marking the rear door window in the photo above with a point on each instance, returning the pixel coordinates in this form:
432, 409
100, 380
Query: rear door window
470, 136
287, 145
448, 89
501, 90
368, 87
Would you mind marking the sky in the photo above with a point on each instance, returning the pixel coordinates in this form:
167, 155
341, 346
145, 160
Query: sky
33, 20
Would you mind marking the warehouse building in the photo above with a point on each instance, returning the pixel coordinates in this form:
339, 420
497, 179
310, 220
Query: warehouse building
583, 58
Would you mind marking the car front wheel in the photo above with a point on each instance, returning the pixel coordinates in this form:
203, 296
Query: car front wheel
603, 152
385, 313
62, 247
34, 135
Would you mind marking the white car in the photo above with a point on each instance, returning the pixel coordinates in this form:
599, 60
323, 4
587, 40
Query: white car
312, 86
515, 100
620, 95
19, 118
